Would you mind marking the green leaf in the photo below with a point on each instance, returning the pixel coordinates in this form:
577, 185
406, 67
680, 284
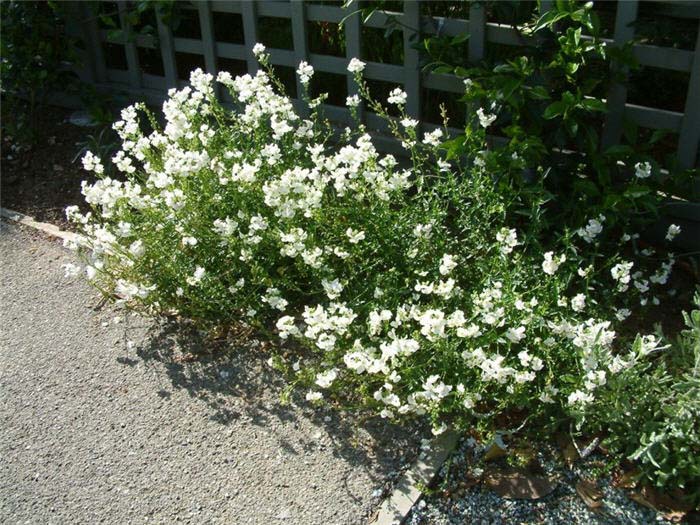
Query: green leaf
443, 70
658, 135
116, 35
588, 187
108, 21
539, 93
460, 38
635, 191
619, 150
461, 72
555, 109
594, 104
568, 98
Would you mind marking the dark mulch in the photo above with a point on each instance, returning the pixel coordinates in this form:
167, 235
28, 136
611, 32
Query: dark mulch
43, 180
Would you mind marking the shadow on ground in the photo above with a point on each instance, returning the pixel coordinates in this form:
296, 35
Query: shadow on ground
233, 378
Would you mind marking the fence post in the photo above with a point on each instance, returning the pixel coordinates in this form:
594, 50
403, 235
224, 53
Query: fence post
477, 31
250, 32
617, 96
689, 139
167, 50
97, 67
132, 57
301, 43
208, 40
412, 84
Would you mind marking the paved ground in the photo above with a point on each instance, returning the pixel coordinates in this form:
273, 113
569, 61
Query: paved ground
93, 433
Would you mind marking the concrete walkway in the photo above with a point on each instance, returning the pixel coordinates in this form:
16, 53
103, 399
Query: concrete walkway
91, 432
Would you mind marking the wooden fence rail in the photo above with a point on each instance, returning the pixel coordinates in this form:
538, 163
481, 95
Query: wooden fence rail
153, 87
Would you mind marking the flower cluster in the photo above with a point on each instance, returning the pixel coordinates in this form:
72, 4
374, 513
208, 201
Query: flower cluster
410, 287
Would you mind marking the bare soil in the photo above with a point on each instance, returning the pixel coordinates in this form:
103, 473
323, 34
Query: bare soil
43, 180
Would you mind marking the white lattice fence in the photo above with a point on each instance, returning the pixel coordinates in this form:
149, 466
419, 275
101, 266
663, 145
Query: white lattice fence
212, 54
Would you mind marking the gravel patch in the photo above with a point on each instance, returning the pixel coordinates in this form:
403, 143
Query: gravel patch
96, 430
479, 505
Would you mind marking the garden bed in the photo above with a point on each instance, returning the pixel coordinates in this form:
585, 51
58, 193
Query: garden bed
43, 180
548, 490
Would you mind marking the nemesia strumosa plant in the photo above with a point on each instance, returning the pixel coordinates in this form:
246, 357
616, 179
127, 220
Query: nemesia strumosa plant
405, 288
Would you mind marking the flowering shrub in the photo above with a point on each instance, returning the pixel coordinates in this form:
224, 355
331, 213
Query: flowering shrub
545, 99
651, 413
408, 289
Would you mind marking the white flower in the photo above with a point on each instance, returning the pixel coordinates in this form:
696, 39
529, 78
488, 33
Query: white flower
356, 66
92, 163
409, 123
124, 229
592, 229
550, 264
332, 288
436, 431
258, 50
352, 101
305, 72
226, 227
326, 342
622, 314
470, 331
128, 290
71, 270
443, 165
312, 395
649, 343
447, 264
445, 288
515, 335
354, 236
434, 389
197, 277
672, 232
325, 379
508, 239
432, 138
621, 273
485, 119
578, 303
189, 241
274, 299
423, 231
397, 96
584, 272
642, 170
137, 248
580, 398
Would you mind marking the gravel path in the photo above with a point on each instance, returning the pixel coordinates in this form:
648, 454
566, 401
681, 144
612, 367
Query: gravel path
478, 505
93, 432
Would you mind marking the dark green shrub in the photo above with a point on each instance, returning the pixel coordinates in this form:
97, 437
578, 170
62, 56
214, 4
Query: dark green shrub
36, 54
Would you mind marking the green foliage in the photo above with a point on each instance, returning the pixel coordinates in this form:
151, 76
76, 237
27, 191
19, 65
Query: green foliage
651, 413
139, 18
549, 103
35, 53
425, 290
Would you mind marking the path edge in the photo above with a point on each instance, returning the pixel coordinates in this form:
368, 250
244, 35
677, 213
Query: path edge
395, 509
45, 227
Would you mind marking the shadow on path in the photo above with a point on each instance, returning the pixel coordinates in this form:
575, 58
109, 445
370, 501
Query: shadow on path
233, 379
